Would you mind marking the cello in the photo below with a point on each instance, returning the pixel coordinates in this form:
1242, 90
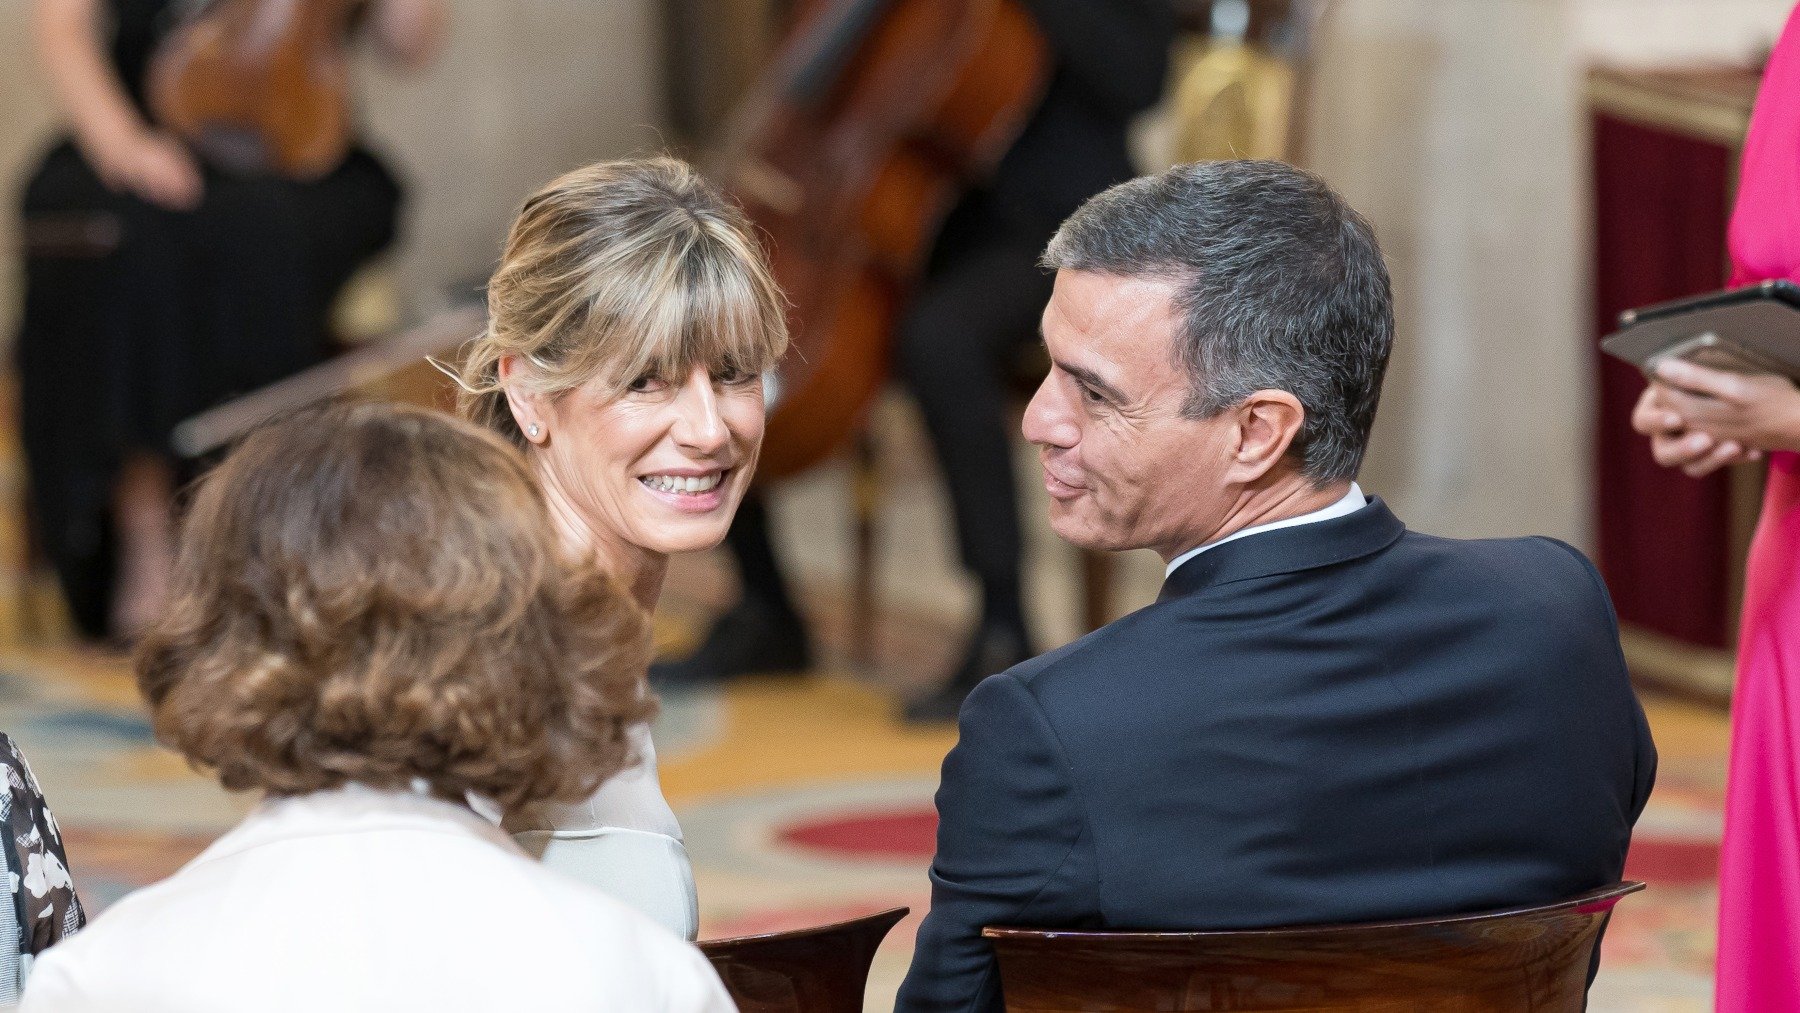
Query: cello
259, 86
848, 152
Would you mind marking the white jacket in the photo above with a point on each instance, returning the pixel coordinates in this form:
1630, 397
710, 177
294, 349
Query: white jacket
358, 900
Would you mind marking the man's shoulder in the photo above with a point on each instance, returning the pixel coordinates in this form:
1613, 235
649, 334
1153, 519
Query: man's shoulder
1526, 549
1537, 564
1512, 571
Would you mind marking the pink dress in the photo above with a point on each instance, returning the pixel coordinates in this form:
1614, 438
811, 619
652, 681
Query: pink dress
1759, 866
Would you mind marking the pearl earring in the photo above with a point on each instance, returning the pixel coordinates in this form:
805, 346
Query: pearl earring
533, 430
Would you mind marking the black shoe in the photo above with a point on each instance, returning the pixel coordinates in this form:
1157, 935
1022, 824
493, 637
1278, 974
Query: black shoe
751, 638
992, 649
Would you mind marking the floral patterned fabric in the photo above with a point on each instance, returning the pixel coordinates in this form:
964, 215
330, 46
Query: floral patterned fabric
43, 893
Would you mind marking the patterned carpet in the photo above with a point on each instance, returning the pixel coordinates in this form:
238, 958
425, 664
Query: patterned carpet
803, 800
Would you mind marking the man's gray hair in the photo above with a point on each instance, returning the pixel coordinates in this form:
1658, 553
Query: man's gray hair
1280, 286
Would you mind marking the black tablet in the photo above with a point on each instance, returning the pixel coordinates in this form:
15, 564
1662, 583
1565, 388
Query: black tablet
1755, 329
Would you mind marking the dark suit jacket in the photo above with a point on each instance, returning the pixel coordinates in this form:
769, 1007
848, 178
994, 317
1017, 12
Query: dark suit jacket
1339, 722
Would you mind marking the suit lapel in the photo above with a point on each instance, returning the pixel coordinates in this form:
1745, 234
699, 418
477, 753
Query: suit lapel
1288, 550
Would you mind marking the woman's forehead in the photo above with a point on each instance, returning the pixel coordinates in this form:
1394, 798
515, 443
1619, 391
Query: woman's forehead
611, 374
712, 348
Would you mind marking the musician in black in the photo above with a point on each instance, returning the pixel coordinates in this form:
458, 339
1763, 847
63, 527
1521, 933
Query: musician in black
156, 287
980, 299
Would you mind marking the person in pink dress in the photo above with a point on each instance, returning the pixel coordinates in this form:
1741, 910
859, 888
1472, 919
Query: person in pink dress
1700, 420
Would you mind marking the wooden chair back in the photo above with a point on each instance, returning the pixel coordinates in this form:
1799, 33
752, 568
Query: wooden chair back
816, 970
1521, 959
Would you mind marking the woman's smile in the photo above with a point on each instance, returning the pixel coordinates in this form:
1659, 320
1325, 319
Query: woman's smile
689, 490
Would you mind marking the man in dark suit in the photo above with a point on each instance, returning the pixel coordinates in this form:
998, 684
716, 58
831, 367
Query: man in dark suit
1324, 717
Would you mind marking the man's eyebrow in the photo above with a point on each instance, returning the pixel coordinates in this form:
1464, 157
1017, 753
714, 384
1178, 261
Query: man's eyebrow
1092, 379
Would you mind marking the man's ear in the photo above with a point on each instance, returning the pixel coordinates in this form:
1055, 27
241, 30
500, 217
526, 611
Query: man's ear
1268, 422
528, 406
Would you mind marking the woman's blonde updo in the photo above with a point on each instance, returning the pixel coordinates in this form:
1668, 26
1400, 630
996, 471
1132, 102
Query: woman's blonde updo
621, 270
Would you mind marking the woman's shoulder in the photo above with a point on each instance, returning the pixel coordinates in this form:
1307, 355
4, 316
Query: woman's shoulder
301, 887
568, 941
117, 951
45, 902
633, 945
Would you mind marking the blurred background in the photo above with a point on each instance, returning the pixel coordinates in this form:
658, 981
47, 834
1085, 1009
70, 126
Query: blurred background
1531, 166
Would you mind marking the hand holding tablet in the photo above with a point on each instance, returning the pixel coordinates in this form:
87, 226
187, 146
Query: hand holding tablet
1721, 368
1750, 331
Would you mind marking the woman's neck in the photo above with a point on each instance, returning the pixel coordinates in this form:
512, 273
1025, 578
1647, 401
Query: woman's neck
639, 569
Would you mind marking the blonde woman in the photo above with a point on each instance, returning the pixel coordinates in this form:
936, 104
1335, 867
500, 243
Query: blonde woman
631, 318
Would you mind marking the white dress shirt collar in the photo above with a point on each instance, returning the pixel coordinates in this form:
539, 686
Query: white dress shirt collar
1353, 501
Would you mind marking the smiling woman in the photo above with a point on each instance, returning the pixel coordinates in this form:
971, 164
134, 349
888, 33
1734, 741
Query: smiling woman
632, 316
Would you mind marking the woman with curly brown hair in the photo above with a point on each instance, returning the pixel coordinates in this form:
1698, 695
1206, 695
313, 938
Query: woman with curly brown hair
375, 626
630, 321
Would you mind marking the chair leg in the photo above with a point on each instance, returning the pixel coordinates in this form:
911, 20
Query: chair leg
1096, 589
866, 507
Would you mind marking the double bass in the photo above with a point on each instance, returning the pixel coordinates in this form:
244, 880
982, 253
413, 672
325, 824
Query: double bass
259, 86
873, 119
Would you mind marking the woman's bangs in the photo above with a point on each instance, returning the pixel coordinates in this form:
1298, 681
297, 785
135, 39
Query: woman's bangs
723, 327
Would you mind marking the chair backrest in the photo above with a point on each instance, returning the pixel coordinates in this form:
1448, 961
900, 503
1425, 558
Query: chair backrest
816, 970
1526, 958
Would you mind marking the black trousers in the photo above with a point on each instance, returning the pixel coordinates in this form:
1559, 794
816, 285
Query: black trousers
981, 300
177, 312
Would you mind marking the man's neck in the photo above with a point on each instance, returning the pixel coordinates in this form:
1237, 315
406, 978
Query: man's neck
1282, 499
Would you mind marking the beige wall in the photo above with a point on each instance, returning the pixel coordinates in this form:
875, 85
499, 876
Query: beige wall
1458, 127
526, 89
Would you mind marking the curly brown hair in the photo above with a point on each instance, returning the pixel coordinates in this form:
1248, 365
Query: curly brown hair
376, 594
